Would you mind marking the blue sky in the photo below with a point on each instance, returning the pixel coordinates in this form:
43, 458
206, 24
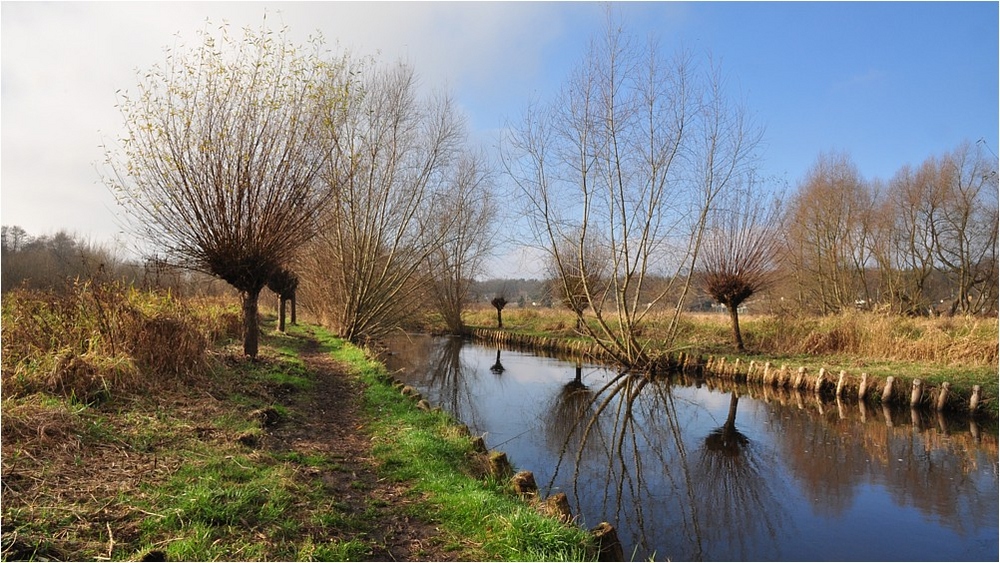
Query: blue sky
889, 84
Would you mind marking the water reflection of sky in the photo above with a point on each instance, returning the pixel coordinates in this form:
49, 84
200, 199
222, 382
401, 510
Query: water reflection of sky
699, 474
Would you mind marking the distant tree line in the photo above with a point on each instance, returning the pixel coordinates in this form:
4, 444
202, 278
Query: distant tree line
50, 262
925, 242
47, 261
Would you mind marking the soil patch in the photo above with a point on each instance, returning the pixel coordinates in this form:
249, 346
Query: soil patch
328, 420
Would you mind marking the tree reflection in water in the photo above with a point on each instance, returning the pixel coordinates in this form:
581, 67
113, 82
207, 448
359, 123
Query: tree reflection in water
448, 375
573, 403
497, 367
732, 493
715, 505
726, 440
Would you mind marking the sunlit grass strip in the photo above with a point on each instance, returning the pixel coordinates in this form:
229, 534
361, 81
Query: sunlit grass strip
479, 516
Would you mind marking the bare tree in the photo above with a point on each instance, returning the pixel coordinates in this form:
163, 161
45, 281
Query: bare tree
499, 302
904, 249
390, 155
284, 282
465, 230
965, 228
221, 159
741, 247
584, 270
830, 230
630, 157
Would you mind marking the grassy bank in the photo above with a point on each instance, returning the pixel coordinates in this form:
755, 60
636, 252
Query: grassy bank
478, 515
122, 442
960, 350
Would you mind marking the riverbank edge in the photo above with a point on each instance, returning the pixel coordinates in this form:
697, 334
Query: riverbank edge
473, 492
956, 399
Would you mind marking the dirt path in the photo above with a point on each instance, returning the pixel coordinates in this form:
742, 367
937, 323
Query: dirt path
328, 420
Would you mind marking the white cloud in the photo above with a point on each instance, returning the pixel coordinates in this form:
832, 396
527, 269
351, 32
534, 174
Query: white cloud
63, 62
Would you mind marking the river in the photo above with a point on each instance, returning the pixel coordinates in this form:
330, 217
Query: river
689, 471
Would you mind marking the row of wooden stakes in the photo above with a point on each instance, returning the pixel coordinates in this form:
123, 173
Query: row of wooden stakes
890, 391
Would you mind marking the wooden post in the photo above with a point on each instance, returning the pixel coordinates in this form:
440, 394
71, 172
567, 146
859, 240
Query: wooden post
819, 381
918, 390
974, 400
736, 368
524, 483
799, 378
840, 383
479, 444
863, 387
609, 547
942, 399
768, 376
499, 466
557, 505
887, 391
783, 376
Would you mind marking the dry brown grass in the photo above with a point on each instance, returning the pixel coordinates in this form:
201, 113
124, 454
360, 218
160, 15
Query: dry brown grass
66, 461
946, 341
95, 339
955, 341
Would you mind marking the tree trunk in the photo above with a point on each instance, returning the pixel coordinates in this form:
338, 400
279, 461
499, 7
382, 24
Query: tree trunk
730, 426
251, 330
734, 316
293, 307
499, 317
281, 313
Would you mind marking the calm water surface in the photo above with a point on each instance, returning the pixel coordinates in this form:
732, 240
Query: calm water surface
686, 472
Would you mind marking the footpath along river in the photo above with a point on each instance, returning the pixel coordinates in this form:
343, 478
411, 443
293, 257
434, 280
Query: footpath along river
689, 472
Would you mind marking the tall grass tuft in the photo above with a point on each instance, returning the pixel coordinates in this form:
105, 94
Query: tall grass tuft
97, 338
